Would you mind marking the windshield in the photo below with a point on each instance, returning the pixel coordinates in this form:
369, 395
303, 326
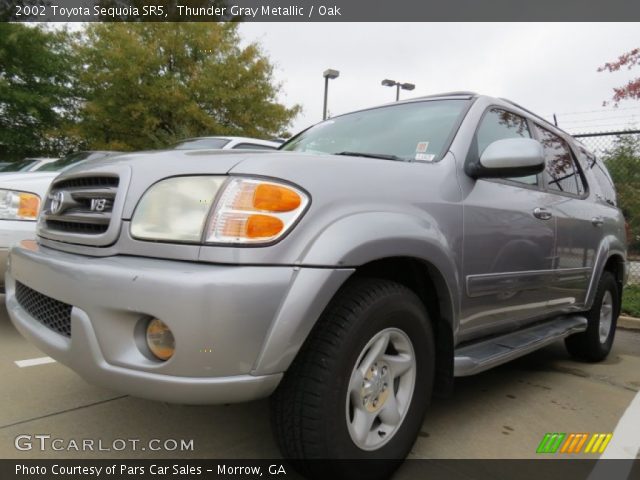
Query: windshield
200, 144
408, 131
19, 166
67, 161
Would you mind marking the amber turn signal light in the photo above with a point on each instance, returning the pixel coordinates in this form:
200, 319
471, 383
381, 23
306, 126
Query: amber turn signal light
29, 205
255, 211
275, 198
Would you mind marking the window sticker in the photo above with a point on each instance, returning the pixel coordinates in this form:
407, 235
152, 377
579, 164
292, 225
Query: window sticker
422, 147
425, 157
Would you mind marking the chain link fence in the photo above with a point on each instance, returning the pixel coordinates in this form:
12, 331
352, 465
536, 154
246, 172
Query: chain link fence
620, 152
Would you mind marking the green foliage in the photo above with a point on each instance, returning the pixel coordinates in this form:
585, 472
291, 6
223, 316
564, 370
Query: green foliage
623, 162
36, 90
631, 300
147, 85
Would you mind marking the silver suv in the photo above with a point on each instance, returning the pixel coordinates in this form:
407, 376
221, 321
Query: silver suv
350, 275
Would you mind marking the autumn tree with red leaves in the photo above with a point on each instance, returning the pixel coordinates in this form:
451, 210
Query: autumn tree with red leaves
630, 91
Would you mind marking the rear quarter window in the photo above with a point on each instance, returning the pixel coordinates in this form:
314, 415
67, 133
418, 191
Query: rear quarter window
602, 176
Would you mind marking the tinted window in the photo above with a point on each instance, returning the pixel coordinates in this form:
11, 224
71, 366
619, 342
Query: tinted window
498, 124
252, 146
600, 172
410, 131
561, 173
19, 166
200, 144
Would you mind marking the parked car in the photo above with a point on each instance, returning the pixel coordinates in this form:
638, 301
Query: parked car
350, 276
21, 196
75, 158
27, 165
226, 143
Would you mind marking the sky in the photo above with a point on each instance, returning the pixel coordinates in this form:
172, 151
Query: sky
546, 67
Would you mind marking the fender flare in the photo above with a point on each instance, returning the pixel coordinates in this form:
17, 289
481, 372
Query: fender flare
332, 258
609, 246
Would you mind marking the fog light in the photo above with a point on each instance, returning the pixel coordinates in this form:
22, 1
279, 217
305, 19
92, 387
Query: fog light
160, 339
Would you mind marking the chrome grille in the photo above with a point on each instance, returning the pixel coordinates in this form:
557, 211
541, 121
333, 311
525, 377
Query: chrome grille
80, 205
51, 313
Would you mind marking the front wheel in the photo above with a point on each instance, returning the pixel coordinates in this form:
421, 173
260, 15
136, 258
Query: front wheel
360, 385
595, 343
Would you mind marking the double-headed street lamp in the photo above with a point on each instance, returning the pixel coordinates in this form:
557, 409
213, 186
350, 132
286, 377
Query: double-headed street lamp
328, 74
392, 83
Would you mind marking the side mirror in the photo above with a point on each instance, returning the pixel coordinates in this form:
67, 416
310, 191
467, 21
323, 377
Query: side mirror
509, 157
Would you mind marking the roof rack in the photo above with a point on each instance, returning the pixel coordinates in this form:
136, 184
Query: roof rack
461, 93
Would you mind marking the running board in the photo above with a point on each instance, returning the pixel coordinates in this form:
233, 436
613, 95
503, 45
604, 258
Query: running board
486, 354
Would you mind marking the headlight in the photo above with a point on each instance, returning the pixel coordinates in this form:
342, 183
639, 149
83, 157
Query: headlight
247, 210
175, 209
16, 205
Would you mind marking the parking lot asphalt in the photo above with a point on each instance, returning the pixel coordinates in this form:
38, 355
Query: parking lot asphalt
503, 413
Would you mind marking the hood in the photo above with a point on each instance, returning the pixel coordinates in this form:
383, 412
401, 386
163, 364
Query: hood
28, 182
330, 176
166, 163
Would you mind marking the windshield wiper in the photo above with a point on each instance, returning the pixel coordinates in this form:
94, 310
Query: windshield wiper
382, 156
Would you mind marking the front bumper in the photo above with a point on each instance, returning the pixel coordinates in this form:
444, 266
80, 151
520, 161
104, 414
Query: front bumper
223, 319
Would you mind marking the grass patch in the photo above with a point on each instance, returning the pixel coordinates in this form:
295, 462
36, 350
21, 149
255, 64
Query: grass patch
631, 300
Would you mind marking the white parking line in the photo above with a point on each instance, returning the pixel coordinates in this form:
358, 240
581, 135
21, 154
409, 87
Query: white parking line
624, 445
625, 442
31, 362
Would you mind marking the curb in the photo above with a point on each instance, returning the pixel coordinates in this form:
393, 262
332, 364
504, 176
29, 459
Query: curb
630, 323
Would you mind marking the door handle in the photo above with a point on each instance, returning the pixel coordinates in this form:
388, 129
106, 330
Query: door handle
542, 213
597, 221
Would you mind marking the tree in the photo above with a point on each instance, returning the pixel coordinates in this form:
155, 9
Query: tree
147, 85
36, 90
631, 90
623, 163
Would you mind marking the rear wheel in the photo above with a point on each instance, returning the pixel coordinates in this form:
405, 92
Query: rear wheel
595, 343
360, 385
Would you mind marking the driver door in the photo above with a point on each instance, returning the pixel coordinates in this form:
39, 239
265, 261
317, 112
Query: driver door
508, 242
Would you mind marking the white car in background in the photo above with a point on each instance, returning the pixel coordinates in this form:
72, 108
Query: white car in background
30, 164
22, 193
225, 143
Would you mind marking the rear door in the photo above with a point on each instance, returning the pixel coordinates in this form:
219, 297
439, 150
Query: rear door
578, 223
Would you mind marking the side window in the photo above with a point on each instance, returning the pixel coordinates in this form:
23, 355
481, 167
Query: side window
561, 173
602, 176
498, 124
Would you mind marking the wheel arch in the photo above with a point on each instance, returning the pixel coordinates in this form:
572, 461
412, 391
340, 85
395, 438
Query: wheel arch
611, 257
295, 322
430, 285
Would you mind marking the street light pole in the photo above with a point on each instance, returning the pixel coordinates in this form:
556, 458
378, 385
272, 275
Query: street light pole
392, 83
328, 74
326, 94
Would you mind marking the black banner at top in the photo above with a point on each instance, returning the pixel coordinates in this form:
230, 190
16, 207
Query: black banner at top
317, 10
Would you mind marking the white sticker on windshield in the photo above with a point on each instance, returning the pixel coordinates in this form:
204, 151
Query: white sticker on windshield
425, 157
422, 147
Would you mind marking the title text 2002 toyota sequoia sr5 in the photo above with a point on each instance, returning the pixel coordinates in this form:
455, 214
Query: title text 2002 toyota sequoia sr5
350, 275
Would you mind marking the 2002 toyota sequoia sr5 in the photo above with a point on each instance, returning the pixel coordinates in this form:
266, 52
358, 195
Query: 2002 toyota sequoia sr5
350, 275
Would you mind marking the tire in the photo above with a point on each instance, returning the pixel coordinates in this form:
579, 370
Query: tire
594, 344
322, 408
